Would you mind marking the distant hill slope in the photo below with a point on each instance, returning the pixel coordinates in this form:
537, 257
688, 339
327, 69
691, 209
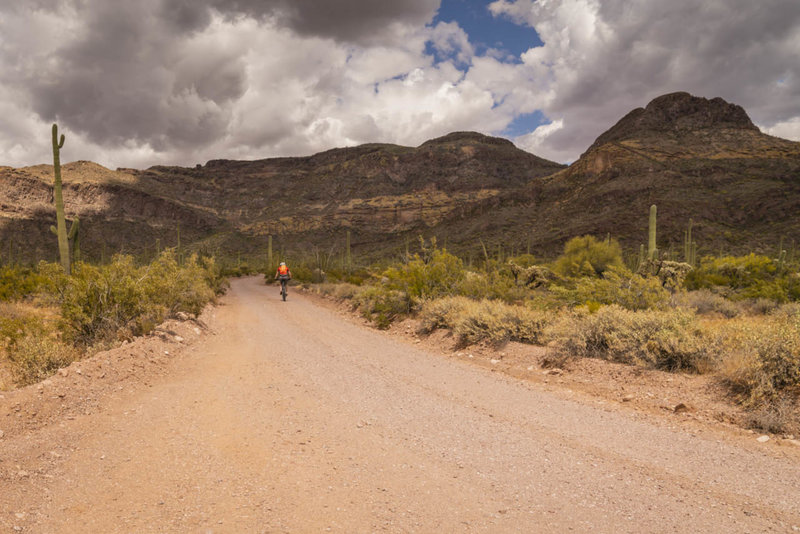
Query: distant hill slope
377, 191
695, 158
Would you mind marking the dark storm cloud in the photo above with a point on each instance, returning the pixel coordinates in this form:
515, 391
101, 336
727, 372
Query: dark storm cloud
137, 71
343, 20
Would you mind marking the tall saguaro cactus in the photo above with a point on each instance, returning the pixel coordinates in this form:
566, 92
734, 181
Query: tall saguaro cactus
651, 243
61, 222
73, 238
348, 259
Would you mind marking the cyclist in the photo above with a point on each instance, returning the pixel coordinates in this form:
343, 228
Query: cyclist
284, 275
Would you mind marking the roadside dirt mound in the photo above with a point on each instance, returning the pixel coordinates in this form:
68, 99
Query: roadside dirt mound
79, 388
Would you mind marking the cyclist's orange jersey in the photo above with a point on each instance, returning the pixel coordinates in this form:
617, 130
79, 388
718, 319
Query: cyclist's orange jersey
283, 270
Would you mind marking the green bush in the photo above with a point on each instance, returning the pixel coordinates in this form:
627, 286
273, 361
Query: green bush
618, 286
100, 303
440, 275
18, 282
586, 256
746, 277
668, 340
382, 305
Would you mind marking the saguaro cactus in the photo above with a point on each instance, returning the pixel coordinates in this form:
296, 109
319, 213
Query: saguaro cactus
652, 251
270, 262
348, 257
73, 238
61, 222
688, 245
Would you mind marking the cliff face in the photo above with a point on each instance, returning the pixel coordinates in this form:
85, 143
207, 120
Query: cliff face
376, 191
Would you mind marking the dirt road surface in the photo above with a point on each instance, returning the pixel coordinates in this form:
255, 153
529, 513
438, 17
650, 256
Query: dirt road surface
288, 417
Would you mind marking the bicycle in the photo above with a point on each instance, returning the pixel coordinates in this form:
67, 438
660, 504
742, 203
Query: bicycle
284, 283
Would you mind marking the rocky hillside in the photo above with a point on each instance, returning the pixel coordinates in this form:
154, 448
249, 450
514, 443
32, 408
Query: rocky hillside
695, 158
378, 192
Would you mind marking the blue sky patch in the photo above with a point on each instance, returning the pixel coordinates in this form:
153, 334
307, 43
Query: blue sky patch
486, 31
525, 123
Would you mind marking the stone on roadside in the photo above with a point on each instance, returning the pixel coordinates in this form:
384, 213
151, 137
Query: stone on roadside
681, 408
627, 398
762, 439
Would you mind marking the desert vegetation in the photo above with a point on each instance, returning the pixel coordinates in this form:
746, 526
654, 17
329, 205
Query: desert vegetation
49, 318
736, 317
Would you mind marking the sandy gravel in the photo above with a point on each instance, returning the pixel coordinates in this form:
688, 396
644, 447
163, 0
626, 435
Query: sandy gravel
288, 417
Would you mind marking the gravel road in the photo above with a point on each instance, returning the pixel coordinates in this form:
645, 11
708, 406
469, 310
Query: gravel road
292, 418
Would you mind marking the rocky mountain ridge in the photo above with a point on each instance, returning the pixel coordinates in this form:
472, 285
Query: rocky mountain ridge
696, 158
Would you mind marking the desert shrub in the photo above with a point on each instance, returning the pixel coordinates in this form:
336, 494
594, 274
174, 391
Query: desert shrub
18, 321
497, 322
442, 312
704, 301
668, 339
382, 305
438, 274
486, 320
344, 291
779, 415
763, 357
748, 277
523, 260
37, 356
787, 311
212, 274
18, 282
120, 299
300, 273
760, 306
586, 256
618, 286
173, 288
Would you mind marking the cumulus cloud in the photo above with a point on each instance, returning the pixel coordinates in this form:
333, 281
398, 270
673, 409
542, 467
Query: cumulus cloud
183, 81
603, 58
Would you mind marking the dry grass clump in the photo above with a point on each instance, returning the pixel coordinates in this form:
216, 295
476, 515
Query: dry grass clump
670, 340
342, 291
762, 361
30, 342
37, 356
485, 320
705, 302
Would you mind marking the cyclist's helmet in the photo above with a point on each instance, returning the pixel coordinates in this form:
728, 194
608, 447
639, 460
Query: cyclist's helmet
283, 263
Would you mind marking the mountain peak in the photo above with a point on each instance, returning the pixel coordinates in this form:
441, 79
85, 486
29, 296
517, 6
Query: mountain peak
677, 113
466, 138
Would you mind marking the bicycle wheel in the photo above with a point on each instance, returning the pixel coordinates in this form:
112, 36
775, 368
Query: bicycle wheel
283, 289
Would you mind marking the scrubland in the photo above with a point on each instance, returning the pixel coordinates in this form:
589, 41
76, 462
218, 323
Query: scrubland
49, 319
734, 317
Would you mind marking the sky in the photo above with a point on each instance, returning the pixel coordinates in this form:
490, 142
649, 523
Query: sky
180, 82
